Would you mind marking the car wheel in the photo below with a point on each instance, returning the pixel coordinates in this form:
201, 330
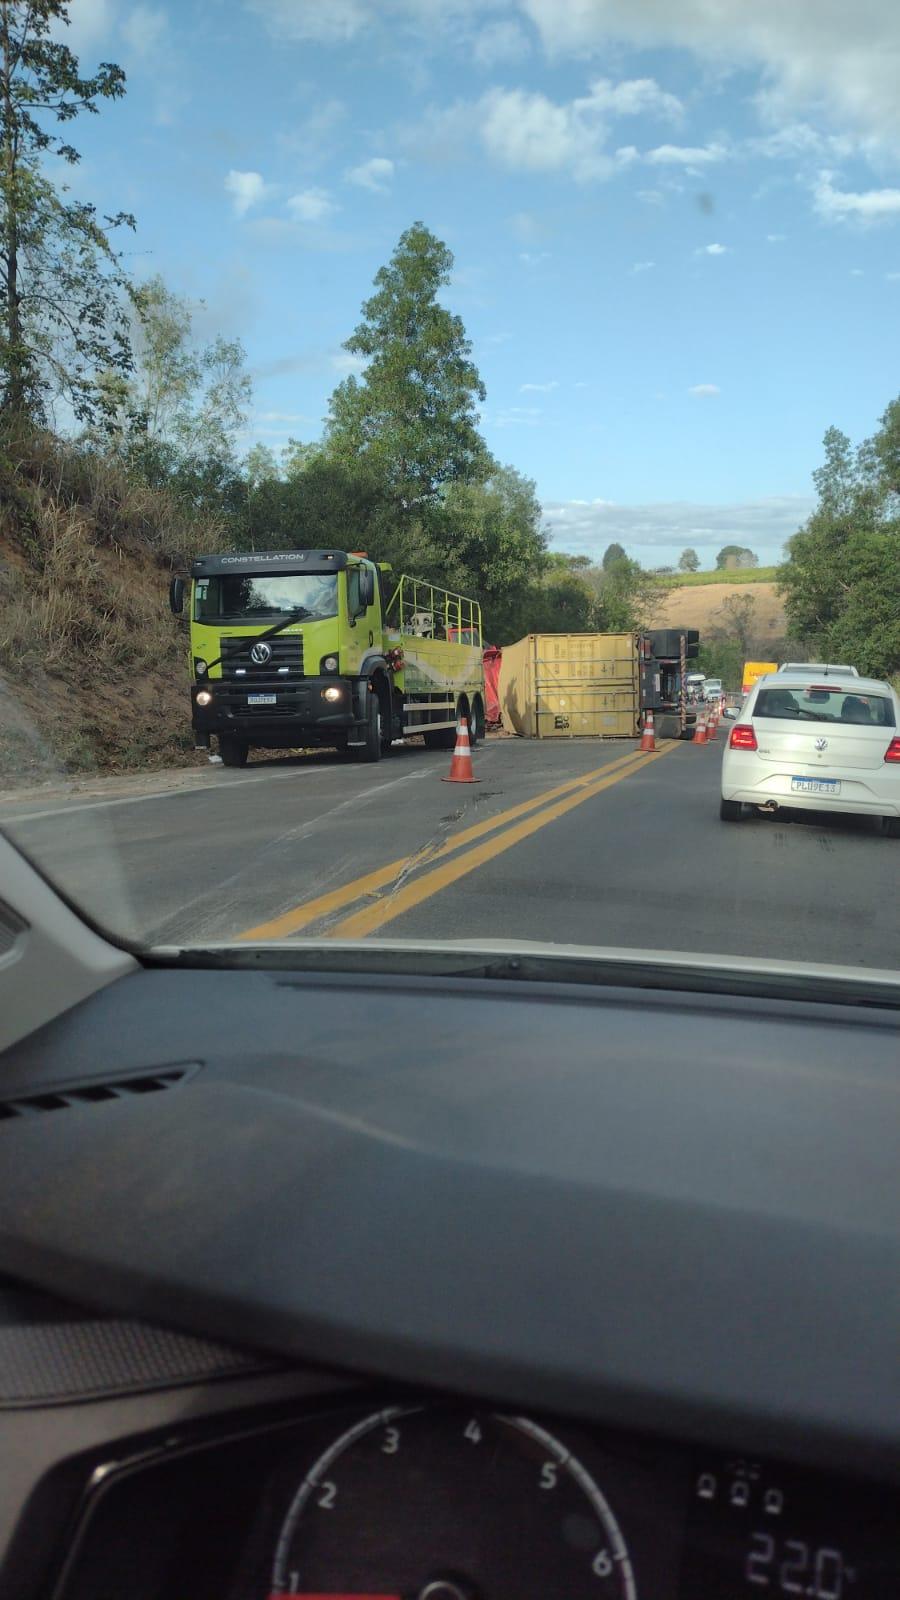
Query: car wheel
730, 810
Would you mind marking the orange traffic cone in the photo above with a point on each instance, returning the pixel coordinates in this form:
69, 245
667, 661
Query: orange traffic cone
648, 737
461, 765
712, 724
700, 730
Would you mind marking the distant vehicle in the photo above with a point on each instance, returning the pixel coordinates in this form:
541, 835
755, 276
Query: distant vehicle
695, 685
828, 669
713, 689
753, 671
816, 744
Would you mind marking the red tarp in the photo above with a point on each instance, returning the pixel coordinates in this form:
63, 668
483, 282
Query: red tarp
492, 658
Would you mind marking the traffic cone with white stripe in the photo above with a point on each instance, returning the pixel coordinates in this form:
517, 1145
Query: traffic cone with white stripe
461, 765
712, 724
648, 737
700, 730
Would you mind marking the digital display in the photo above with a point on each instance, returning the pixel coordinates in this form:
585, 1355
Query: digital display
761, 1533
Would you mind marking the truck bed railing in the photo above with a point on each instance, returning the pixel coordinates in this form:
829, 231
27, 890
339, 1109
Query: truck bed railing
425, 611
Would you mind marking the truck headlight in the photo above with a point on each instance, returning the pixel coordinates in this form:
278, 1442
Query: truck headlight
199, 666
329, 664
204, 698
333, 693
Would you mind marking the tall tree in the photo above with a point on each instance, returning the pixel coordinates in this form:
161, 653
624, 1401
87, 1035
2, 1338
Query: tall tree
412, 413
689, 561
63, 292
735, 555
841, 581
612, 554
493, 532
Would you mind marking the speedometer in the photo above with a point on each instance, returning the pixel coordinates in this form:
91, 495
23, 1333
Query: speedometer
428, 1503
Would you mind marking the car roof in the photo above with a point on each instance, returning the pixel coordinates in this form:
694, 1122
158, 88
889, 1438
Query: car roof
792, 680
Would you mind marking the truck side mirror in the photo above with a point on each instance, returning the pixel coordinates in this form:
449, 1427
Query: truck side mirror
366, 587
176, 596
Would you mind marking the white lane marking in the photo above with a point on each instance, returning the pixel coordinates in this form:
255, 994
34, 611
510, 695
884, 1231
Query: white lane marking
161, 794
169, 794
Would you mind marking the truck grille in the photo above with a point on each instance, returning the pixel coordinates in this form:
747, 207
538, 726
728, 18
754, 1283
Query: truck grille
238, 665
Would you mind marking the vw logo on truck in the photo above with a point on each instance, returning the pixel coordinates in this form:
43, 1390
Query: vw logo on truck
261, 654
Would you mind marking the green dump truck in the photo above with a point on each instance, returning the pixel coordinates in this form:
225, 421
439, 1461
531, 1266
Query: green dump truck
293, 648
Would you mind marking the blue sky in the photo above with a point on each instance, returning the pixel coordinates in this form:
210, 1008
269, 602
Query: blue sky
676, 225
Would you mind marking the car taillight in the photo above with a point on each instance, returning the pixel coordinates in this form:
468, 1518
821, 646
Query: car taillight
892, 753
743, 737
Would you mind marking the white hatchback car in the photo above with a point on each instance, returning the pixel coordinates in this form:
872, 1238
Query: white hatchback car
815, 743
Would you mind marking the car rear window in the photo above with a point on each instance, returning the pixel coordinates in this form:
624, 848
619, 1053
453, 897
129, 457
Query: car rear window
814, 703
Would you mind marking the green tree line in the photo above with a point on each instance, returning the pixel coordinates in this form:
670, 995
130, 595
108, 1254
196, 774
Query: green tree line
841, 579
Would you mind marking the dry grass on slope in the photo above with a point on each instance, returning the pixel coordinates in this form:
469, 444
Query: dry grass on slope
93, 664
699, 607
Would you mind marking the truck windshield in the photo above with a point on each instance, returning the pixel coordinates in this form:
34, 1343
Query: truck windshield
246, 597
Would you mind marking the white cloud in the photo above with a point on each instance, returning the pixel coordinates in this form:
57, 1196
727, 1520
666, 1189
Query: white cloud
815, 54
532, 258
518, 417
840, 205
144, 30
539, 388
500, 42
635, 97
528, 132
247, 189
346, 364
679, 155
857, 272
704, 391
764, 525
311, 205
643, 266
651, 197
315, 21
776, 238
713, 250
375, 174
892, 277
90, 25
283, 416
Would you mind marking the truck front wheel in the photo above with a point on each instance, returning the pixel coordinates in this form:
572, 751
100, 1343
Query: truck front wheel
373, 748
233, 751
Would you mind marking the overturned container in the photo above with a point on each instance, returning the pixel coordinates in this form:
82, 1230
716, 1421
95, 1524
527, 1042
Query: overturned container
571, 685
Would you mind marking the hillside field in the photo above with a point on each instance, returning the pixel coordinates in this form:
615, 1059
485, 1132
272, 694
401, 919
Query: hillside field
696, 606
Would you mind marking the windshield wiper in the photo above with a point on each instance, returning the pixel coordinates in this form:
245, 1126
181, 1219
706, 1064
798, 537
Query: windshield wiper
295, 615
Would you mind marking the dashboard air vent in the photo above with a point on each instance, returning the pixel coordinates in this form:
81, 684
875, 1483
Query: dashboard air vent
96, 1091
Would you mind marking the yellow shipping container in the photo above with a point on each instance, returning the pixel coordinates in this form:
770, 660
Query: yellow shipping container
570, 685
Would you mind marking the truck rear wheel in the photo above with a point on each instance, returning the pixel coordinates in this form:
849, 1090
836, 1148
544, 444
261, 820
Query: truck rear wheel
233, 751
476, 722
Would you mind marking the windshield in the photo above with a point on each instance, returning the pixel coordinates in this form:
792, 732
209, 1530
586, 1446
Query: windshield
428, 428
258, 598
826, 705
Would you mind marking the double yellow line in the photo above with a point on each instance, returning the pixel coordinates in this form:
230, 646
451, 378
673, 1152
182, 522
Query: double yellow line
507, 830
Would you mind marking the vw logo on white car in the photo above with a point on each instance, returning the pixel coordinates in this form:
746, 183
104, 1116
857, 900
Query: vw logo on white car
261, 654
821, 744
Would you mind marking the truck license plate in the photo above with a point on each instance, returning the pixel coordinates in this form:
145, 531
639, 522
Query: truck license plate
261, 700
815, 785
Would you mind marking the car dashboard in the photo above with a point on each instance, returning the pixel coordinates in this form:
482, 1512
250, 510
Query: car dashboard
311, 1291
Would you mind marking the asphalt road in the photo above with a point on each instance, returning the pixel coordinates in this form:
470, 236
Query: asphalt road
570, 841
